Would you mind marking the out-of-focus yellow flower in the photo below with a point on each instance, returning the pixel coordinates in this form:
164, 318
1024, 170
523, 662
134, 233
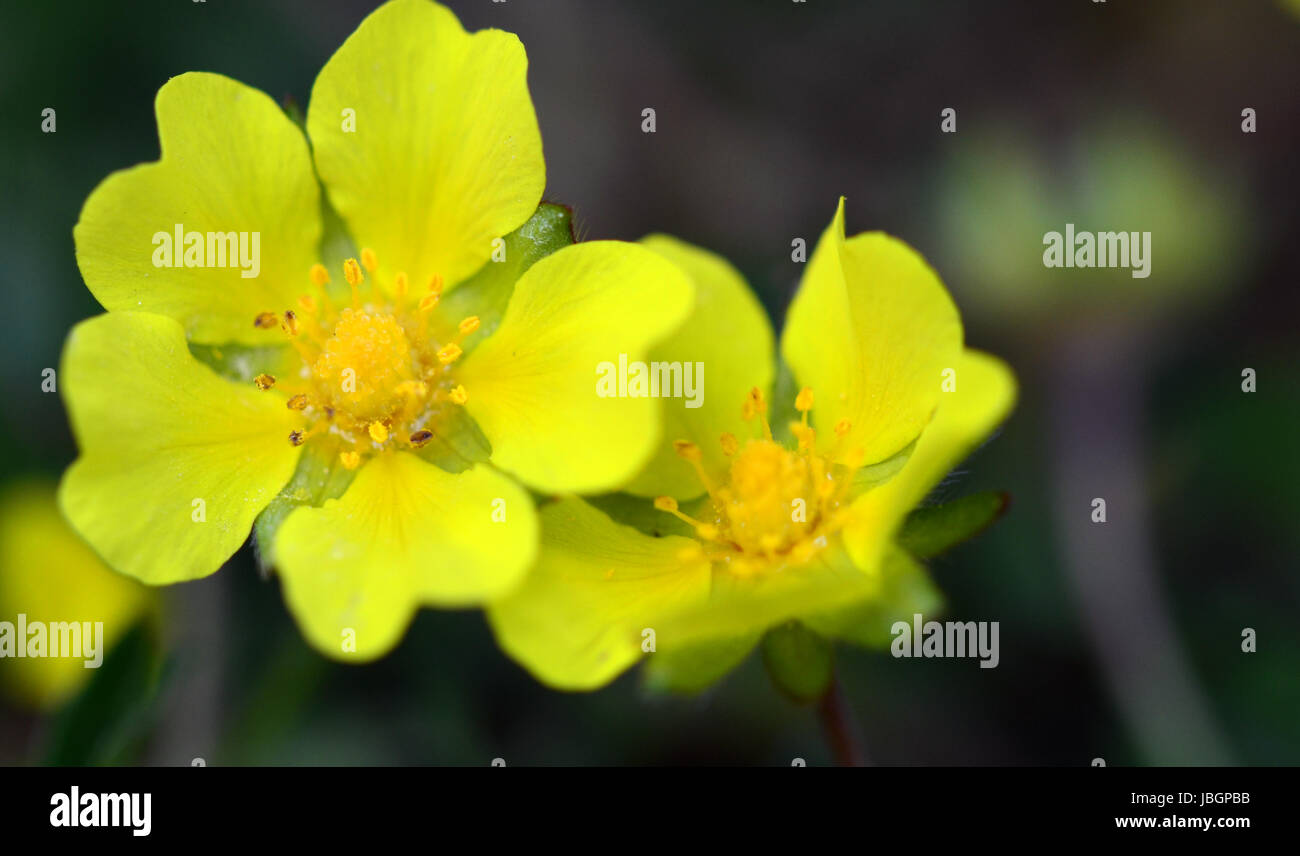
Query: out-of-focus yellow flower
800, 529
48, 575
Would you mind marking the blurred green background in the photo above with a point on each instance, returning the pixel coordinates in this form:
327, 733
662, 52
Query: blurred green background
1120, 641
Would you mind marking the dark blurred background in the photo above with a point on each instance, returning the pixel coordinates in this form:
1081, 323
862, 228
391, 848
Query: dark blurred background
1119, 641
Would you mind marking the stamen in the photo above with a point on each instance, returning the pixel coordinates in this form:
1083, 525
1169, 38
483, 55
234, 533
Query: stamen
756, 405
264, 381
688, 451
378, 432
803, 402
290, 324
730, 445
352, 273
668, 504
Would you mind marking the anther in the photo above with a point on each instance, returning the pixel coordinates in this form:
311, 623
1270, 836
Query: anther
458, 395
297, 402
319, 275
730, 445
428, 302
399, 285
368, 259
378, 432
468, 325
296, 438
352, 272
421, 438
435, 284
350, 460
265, 320
843, 427
449, 353
264, 381
803, 402
665, 503
290, 324
687, 450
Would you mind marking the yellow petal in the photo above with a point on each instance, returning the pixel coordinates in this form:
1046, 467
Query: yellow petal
727, 341
405, 534
446, 155
580, 618
985, 393
176, 462
49, 575
533, 384
904, 590
871, 331
739, 605
232, 162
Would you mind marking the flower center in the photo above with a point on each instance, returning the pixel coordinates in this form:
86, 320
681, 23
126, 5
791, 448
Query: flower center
778, 506
372, 375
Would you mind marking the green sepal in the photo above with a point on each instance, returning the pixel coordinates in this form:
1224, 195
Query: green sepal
696, 667
800, 662
458, 443
487, 292
320, 476
934, 529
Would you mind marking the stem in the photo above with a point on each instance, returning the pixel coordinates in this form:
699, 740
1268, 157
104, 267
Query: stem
841, 730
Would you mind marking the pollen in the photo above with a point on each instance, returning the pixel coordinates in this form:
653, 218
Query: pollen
371, 371
772, 507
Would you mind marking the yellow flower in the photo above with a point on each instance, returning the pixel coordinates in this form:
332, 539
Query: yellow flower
359, 379
49, 576
888, 401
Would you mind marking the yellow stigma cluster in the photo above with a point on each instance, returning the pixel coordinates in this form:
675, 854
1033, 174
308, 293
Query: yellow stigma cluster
372, 375
778, 506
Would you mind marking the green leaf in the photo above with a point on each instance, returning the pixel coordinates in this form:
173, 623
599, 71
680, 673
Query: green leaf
934, 529
487, 292
107, 722
697, 667
320, 476
800, 662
